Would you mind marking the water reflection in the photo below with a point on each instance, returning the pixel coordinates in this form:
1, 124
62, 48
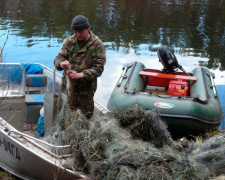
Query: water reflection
191, 25
131, 30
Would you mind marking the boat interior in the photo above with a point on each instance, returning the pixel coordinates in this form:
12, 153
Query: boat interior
27, 89
157, 82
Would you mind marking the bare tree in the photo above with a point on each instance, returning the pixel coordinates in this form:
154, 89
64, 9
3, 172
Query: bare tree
1, 49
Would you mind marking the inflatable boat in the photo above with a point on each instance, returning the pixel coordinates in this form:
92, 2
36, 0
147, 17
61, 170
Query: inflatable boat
187, 102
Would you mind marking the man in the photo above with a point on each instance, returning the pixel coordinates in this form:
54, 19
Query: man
82, 57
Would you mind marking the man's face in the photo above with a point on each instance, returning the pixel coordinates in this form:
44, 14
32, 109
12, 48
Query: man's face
82, 35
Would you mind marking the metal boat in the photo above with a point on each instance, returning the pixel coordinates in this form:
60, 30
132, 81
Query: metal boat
187, 102
24, 90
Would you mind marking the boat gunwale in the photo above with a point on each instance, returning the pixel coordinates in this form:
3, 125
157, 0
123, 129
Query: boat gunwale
191, 99
11, 171
10, 128
16, 141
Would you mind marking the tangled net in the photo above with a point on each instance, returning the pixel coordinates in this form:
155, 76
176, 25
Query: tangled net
135, 144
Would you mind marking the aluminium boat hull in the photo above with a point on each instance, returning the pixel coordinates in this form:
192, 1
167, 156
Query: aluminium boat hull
21, 153
26, 160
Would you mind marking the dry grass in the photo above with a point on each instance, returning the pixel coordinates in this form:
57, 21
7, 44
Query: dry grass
5, 175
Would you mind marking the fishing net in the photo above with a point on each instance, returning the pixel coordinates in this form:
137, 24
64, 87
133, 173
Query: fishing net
212, 154
135, 144
145, 125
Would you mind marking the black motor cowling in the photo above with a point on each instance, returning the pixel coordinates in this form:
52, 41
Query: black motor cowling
168, 59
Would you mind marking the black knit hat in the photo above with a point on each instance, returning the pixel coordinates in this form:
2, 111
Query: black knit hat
79, 23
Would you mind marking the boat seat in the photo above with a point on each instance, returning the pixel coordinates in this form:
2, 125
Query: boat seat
34, 99
167, 76
36, 80
34, 102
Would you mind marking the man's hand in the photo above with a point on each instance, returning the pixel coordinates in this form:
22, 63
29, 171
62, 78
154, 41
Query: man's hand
65, 65
75, 75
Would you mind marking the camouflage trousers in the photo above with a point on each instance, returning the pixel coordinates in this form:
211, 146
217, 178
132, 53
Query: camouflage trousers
84, 103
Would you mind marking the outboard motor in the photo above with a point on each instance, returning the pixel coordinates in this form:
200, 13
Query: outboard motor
169, 60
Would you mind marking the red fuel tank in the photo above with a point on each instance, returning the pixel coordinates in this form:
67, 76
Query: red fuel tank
178, 88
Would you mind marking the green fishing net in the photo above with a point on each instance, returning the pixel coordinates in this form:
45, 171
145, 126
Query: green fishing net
135, 144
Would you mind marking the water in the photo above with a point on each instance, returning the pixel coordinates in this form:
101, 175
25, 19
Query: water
34, 30
221, 94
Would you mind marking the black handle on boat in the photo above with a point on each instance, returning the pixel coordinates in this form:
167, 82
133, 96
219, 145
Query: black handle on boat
212, 76
123, 74
213, 86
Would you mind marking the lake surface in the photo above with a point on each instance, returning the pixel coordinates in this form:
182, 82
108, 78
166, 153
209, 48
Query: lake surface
132, 30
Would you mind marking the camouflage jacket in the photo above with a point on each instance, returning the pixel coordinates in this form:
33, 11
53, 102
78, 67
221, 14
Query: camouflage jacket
90, 60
